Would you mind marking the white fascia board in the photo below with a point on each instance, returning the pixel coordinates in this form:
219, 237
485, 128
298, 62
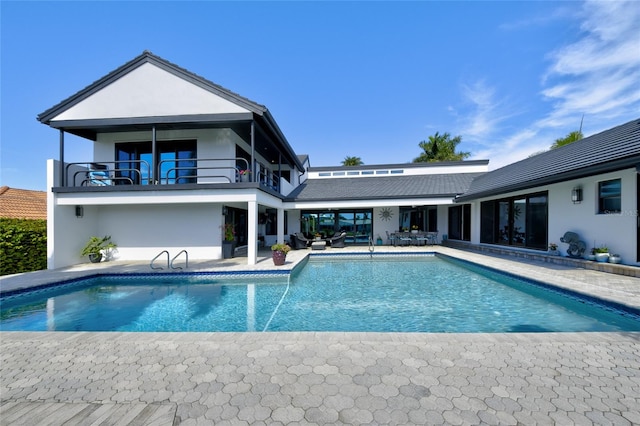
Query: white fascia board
367, 203
149, 91
177, 197
408, 171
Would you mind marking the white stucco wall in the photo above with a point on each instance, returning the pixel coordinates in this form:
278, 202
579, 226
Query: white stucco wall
618, 231
143, 231
149, 91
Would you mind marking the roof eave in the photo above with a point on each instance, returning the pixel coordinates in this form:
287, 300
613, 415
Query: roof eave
597, 169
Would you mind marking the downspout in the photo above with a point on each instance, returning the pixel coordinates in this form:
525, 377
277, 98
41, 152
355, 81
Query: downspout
154, 162
62, 172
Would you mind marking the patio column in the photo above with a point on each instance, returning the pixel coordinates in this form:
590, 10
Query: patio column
280, 220
252, 232
252, 176
62, 173
154, 163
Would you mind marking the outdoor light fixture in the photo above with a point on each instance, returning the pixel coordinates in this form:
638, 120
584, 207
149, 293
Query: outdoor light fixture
225, 211
79, 211
576, 195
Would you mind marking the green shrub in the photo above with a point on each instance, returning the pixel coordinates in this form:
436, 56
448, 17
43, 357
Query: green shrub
23, 245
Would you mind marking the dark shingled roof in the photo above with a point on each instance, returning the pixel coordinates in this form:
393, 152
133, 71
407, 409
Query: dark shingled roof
392, 187
608, 151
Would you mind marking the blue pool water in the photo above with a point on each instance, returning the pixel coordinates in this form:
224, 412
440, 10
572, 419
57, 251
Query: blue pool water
419, 294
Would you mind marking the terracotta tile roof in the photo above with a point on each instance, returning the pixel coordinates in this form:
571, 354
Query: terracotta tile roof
22, 203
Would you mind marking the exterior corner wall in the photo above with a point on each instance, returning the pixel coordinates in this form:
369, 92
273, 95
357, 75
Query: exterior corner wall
618, 231
381, 227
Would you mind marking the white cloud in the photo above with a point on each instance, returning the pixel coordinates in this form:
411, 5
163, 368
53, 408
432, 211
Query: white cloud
598, 74
486, 111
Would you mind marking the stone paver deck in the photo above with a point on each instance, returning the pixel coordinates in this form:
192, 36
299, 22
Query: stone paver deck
327, 378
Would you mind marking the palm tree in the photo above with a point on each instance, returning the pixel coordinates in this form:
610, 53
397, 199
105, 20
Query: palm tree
352, 161
440, 148
576, 135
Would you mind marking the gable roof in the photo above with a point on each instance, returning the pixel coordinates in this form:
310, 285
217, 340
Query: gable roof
374, 188
88, 128
22, 203
148, 58
614, 149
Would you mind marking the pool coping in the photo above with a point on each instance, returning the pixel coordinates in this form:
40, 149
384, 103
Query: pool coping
613, 288
617, 306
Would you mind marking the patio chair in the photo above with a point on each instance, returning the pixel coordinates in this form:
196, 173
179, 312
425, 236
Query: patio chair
423, 239
338, 242
432, 238
299, 241
405, 239
98, 175
391, 238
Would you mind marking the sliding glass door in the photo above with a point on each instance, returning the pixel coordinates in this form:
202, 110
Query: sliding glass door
517, 221
176, 162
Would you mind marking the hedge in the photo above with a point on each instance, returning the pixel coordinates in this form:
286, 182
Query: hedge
23, 245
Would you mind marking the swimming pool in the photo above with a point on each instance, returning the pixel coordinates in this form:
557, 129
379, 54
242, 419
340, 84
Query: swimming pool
328, 293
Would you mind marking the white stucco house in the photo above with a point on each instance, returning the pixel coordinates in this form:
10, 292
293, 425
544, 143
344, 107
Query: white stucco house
171, 151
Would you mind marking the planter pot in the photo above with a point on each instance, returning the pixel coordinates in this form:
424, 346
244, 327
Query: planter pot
590, 257
227, 249
95, 257
244, 178
615, 259
414, 231
278, 257
554, 253
602, 257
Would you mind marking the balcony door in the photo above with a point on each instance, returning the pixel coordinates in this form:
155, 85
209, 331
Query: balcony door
176, 162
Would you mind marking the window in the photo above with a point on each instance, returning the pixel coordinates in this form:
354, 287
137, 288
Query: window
424, 217
520, 222
609, 196
358, 224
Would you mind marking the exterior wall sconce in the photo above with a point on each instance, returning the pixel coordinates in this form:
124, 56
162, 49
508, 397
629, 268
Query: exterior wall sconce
79, 211
225, 211
576, 195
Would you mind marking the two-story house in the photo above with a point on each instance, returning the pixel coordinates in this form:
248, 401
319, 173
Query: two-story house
177, 157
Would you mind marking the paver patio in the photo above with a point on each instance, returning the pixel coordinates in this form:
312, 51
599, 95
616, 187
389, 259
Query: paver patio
329, 378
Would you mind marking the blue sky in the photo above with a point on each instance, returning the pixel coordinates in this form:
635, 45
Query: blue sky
365, 79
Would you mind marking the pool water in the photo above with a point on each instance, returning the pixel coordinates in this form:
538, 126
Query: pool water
417, 294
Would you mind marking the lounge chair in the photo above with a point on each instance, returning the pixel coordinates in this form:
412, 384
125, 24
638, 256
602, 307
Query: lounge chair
338, 242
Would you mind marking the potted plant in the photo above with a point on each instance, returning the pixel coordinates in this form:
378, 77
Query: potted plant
244, 175
96, 247
228, 239
602, 253
553, 249
615, 258
592, 254
414, 229
279, 253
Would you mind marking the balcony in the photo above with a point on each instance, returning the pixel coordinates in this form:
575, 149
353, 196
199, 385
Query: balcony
172, 174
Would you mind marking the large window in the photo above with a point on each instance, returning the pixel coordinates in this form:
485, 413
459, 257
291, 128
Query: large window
519, 221
175, 159
358, 224
424, 217
610, 196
